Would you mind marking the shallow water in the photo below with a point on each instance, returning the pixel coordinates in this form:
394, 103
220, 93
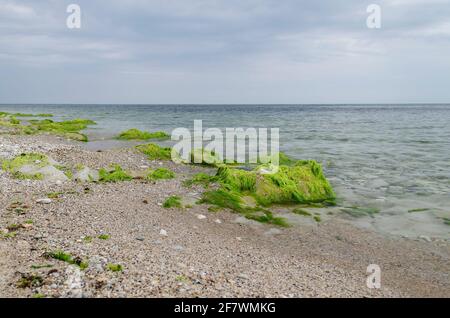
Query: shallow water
387, 158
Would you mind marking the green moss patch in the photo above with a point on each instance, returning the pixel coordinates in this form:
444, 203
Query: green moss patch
136, 134
114, 175
161, 173
155, 152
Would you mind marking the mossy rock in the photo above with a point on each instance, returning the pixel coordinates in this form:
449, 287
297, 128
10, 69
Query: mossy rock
136, 134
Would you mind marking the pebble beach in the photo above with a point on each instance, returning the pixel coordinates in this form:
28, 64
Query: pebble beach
135, 247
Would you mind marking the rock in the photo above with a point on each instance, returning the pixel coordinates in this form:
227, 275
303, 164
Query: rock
163, 232
49, 172
74, 282
425, 238
201, 217
86, 174
218, 221
243, 276
239, 238
273, 231
44, 201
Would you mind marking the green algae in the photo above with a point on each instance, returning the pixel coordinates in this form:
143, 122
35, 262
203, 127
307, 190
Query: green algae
31, 115
14, 121
68, 258
204, 157
155, 152
446, 221
299, 211
30, 281
201, 179
266, 217
418, 210
69, 128
104, 237
302, 182
356, 211
159, 174
172, 202
115, 175
317, 218
136, 134
114, 267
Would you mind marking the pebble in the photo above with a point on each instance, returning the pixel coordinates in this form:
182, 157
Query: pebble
163, 232
425, 238
201, 217
218, 221
44, 201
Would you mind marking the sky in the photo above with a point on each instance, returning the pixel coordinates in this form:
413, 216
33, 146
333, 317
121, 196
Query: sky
225, 52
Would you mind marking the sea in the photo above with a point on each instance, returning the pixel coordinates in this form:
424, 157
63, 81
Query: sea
389, 164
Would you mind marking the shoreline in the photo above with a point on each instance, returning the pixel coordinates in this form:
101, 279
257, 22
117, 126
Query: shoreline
187, 252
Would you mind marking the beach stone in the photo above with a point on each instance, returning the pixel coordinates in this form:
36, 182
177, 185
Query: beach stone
425, 238
49, 173
86, 174
44, 201
273, 231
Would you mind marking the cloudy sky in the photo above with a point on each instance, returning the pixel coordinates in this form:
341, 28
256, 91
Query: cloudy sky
224, 51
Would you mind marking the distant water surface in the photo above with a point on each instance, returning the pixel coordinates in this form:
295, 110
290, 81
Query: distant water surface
391, 158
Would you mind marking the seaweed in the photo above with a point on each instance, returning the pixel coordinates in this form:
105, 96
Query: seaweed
155, 152
136, 134
115, 175
161, 173
172, 202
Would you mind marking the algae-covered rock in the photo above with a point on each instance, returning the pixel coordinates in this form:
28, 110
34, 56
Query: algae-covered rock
136, 134
34, 166
249, 192
303, 182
